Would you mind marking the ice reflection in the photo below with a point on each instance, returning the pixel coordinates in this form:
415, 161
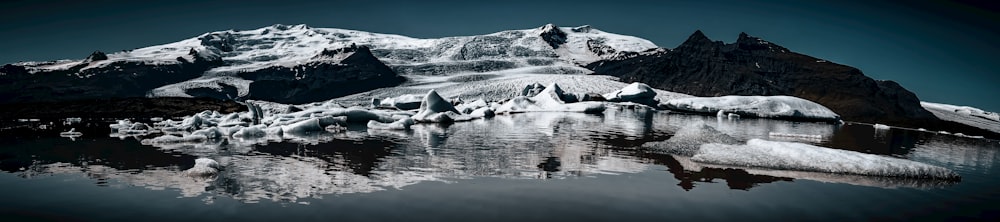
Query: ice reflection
521, 146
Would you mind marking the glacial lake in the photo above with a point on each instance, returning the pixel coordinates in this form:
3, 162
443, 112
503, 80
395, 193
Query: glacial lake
521, 167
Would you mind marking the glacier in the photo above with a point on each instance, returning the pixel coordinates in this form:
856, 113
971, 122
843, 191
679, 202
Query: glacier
547, 49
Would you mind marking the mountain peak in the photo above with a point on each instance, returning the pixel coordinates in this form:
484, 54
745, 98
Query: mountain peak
748, 42
284, 27
552, 35
96, 56
696, 40
698, 36
548, 27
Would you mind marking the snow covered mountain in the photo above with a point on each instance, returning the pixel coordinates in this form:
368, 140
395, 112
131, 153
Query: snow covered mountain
288, 52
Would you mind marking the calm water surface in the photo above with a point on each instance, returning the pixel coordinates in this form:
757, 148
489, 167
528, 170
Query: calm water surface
524, 167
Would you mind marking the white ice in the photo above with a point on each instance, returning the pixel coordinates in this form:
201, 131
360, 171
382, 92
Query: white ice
965, 115
881, 127
548, 100
805, 157
636, 92
755, 106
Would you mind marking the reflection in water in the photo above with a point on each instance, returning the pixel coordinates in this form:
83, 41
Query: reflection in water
522, 146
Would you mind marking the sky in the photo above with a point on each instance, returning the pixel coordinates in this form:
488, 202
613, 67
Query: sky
944, 51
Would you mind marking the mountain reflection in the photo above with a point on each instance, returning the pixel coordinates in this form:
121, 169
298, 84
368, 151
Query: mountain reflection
360, 160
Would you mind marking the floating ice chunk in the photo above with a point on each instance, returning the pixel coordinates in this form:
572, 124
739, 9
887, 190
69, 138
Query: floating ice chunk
126, 127
121, 124
71, 133
796, 136
881, 127
733, 116
255, 131
210, 133
197, 122
358, 115
467, 108
403, 102
965, 115
548, 100
636, 92
482, 112
203, 167
780, 107
304, 127
172, 139
805, 157
402, 124
434, 108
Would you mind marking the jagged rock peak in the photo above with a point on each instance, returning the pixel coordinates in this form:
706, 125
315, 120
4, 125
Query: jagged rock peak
97, 56
748, 42
698, 36
552, 35
290, 27
698, 40
345, 50
549, 27
223, 41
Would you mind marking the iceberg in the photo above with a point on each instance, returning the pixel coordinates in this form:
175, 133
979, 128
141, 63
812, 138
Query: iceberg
436, 109
172, 139
548, 100
403, 102
805, 157
777, 107
401, 124
636, 92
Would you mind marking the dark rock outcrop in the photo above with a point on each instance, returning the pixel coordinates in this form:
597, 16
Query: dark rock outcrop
96, 56
118, 108
333, 73
553, 35
752, 66
118, 79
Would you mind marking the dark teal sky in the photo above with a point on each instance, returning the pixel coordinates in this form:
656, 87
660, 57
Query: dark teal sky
945, 51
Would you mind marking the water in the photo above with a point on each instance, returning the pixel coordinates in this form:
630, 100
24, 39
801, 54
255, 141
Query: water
524, 167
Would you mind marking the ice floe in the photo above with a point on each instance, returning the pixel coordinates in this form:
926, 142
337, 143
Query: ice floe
804, 157
965, 115
779, 107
